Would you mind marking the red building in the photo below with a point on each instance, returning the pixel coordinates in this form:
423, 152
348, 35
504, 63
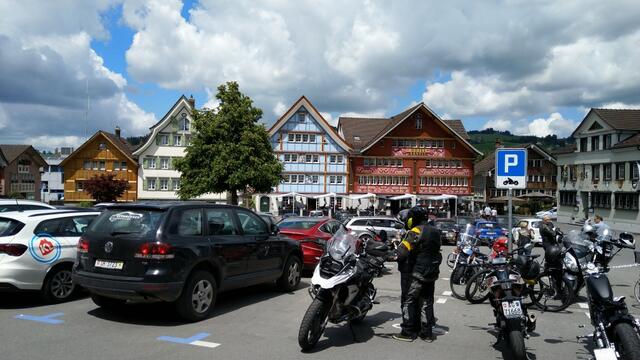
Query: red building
414, 152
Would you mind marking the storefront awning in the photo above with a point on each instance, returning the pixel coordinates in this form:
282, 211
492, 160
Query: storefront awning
325, 195
362, 196
442, 197
403, 197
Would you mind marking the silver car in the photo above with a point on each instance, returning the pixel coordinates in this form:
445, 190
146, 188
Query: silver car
362, 225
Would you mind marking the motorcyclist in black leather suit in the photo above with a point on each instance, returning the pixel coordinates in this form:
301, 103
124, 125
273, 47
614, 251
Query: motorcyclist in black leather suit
419, 259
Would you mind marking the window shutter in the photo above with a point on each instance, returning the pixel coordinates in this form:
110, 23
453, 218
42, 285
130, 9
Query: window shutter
184, 140
145, 165
144, 184
158, 139
170, 184
170, 163
170, 139
174, 124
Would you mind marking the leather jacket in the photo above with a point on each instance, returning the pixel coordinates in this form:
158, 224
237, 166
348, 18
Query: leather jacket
547, 233
419, 253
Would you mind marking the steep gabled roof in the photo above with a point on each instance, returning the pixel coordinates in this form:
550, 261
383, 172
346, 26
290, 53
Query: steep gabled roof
119, 143
458, 127
303, 101
166, 118
11, 152
489, 162
359, 131
618, 119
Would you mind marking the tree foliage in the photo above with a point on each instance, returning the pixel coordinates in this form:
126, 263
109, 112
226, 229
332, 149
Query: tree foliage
229, 151
105, 187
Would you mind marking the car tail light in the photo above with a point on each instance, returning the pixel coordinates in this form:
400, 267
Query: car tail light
154, 250
13, 249
83, 245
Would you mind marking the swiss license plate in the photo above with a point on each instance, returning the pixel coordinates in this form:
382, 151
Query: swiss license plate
107, 264
512, 309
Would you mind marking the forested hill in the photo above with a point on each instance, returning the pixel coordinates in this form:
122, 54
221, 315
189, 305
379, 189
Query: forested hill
485, 140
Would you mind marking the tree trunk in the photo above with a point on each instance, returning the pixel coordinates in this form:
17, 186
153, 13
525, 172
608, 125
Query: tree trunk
234, 197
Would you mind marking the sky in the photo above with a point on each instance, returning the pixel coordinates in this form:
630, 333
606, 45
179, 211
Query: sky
71, 67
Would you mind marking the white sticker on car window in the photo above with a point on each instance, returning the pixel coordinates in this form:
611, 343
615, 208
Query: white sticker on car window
125, 216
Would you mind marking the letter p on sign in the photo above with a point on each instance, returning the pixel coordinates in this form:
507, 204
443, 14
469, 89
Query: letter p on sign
510, 160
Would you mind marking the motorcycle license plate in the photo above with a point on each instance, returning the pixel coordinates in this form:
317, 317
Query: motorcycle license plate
512, 309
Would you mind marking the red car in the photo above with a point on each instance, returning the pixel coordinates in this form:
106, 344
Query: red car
312, 232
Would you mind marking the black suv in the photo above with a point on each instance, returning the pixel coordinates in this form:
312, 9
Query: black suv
181, 252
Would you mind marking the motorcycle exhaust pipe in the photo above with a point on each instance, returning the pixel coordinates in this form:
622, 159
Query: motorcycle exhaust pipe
531, 322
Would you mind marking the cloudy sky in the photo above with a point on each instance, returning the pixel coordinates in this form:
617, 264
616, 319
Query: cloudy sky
529, 67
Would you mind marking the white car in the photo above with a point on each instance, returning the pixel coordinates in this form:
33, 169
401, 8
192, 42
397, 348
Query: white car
363, 224
38, 249
533, 224
21, 205
553, 213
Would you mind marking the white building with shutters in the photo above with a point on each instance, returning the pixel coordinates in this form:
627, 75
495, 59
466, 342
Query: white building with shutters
157, 177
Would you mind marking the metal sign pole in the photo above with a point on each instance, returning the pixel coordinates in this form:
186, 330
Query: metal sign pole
510, 191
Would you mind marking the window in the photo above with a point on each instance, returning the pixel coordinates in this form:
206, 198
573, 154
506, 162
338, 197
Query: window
567, 198
601, 200
177, 140
102, 164
418, 122
79, 186
252, 224
301, 117
102, 146
627, 201
595, 172
164, 184
116, 166
606, 139
332, 159
176, 184
49, 227
164, 163
184, 124
573, 172
188, 223
290, 137
607, 172
290, 157
164, 139
123, 166
332, 179
312, 138
595, 143
94, 165
583, 144
220, 222
314, 179
152, 163
86, 165
633, 166
305, 138
620, 169
151, 184
535, 163
339, 179
298, 138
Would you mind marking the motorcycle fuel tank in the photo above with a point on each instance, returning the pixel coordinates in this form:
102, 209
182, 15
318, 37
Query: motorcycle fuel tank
599, 287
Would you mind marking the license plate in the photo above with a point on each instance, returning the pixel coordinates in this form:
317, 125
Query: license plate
112, 265
512, 309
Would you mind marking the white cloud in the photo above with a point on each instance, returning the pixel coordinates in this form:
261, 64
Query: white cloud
279, 109
45, 142
329, 118
4, 120
555, 124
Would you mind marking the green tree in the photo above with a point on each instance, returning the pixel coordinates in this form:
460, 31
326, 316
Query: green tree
230, 151
105, 187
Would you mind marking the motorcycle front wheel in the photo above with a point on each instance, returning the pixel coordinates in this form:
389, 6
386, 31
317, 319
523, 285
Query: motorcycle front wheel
547, 297
458, 280
516, 343
628, 342
478, 290
313, 324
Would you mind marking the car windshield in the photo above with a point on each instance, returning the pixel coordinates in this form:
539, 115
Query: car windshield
9, 227
127, 221
342, 244
298, 224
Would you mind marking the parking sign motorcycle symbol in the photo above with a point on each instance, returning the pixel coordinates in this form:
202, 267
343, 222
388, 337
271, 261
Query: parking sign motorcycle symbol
44, 248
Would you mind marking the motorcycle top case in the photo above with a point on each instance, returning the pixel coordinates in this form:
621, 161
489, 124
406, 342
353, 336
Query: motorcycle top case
599, 287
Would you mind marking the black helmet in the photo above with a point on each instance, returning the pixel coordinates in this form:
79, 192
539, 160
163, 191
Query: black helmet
552, 255
527, 268
415, 216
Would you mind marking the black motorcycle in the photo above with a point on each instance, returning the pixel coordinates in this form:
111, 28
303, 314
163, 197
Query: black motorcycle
616, 333
506, 290
464, 260
342, 284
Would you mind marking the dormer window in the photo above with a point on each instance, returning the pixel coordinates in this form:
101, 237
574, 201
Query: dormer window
102, 146
419, 122
184, 123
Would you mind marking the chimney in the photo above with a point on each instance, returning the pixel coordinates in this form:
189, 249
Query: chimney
192, 102
498, 143
118, 131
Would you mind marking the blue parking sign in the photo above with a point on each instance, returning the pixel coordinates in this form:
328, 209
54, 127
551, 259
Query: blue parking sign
511, 168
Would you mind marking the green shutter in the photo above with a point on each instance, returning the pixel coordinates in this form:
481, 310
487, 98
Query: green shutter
170, 163
174, 124
170, 139
158, 139
144, 184
145, 164
169, 184
184, 139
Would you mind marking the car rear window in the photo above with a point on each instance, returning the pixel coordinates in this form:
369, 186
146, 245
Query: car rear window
10, 227
7, 208
127, 221
298, 224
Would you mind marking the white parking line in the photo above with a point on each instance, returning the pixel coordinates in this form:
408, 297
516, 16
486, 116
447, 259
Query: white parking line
588, 315
583, 305
441, 301
445, 279
447, 293
205, 344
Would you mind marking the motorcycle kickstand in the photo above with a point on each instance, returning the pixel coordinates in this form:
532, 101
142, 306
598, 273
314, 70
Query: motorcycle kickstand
353, 332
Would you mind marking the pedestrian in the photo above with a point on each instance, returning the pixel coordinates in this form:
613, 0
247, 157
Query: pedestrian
487, 212
419, 259
522, 237
547, 232
599, 224
494, 214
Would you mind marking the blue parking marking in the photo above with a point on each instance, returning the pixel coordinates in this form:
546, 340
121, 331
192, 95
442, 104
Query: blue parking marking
47, 319
189, 340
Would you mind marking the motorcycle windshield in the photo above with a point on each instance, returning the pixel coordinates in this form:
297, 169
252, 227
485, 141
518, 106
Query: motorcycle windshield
342, 244
467, 236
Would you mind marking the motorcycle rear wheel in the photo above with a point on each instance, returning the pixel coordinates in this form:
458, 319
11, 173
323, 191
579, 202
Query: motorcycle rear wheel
628, 341
313, 324
516, 343
477, 290
458, 280
546, 300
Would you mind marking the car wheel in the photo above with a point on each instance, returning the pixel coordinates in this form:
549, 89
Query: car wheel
107, 303
198, 296
58, 285
291, 275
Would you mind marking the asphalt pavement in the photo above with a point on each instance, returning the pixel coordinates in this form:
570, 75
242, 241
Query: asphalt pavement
262, 323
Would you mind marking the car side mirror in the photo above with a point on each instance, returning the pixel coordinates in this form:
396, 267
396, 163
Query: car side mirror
274, 229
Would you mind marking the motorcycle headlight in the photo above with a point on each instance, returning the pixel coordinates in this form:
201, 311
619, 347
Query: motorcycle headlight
570, 263
467, 250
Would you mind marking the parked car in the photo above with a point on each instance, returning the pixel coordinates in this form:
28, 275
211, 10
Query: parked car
22, 205
312, 233
553, 213
448, 228
363, 224
37, 251
288, 215
181, 252
534, 225
488, 231
269, 219
316, 213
